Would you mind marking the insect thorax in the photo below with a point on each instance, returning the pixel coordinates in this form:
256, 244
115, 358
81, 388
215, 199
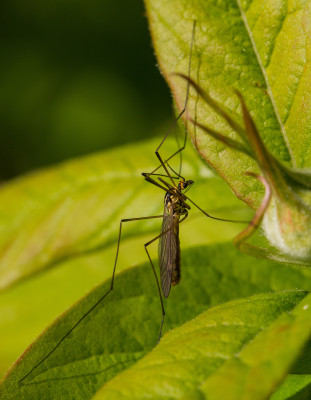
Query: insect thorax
172, 200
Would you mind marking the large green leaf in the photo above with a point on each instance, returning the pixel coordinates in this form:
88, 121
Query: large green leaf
296, 387
58, 288
76, 207
263, 363
212, 356
107, 186
125, 326
258, 47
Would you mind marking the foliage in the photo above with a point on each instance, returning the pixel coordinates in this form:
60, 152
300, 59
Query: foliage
241, 55
127, 324
236, 327
128, 321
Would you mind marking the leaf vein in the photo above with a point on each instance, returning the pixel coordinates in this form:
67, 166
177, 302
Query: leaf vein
294, 97
274, 40
282, 127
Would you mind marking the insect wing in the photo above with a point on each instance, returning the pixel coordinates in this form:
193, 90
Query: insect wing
169, 253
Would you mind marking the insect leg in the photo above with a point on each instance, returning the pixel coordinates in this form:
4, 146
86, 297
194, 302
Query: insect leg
165, 183
119, 240
210, 216
150, 180
154, 271
98, 301
256, 251
146, 174
173, 155
178, 175
163, 163
240, 239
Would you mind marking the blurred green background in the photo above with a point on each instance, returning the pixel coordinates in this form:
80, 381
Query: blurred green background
75, 77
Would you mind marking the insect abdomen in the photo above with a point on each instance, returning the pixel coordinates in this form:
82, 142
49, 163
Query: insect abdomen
176, 273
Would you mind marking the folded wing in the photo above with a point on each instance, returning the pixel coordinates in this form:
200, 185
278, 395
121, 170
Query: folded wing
169, 251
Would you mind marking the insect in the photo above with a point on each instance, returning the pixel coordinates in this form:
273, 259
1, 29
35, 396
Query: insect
176, 208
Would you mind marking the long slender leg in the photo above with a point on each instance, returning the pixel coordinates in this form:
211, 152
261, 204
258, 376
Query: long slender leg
167, 230
150, 180
184, 197
165, 183
155, 274
257, 251
183, 146
210, 216
180, 165
163, 163
241, 238
173, 155
176, 193
179, 195
99, 300
254, 224
145, 174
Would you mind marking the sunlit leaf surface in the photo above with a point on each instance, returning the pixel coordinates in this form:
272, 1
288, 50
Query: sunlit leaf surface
257, 47
125, 326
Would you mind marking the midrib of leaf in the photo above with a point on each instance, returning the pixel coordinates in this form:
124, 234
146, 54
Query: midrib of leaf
282, 127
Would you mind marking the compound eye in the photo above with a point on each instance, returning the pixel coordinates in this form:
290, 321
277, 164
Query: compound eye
188, 184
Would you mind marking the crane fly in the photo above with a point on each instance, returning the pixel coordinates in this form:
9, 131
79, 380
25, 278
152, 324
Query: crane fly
169, 247
176, 210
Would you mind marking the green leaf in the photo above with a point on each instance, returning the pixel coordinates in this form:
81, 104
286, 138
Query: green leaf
125, 326
259, 48
203, 347
75, 207
263, 363
295, 387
